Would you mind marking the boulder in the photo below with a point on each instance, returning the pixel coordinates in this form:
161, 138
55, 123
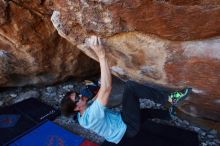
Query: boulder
169, 43
172, 43
32, 52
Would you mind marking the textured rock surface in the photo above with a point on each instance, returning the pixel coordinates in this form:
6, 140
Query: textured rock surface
172, 43
3, 14
170, 19
31, 51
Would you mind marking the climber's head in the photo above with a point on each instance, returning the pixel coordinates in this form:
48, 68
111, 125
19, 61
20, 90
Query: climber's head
72, 103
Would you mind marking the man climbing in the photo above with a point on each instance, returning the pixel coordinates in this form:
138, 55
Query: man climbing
111, 125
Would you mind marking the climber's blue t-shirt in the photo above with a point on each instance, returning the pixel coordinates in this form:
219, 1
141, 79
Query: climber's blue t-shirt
103, 121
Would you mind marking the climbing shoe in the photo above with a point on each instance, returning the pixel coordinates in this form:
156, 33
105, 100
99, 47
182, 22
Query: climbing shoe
175, 97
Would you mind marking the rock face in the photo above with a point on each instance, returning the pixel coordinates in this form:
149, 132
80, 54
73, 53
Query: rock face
31, 51
3, 16
171, 43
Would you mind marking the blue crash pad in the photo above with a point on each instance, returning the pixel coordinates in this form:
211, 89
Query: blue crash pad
17, 119
49, 134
